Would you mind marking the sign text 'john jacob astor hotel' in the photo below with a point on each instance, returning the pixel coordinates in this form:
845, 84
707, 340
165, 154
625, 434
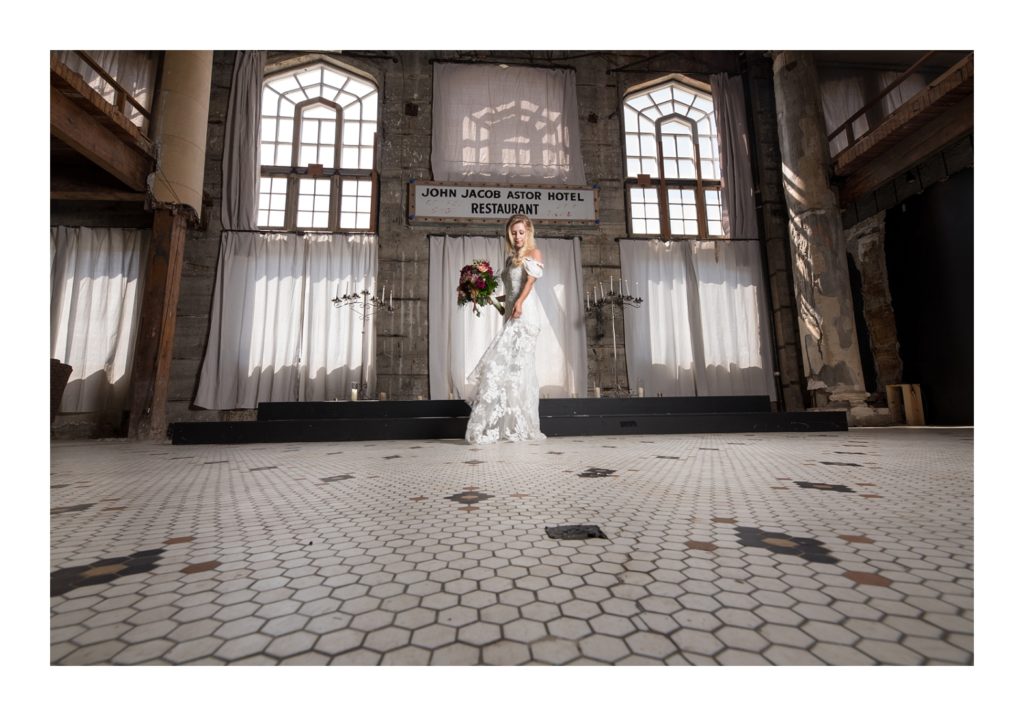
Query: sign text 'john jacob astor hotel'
436, 202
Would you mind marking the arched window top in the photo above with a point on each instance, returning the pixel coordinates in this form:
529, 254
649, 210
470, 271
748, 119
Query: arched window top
283, 91
673, 171
318, 114
318, 127
666, 107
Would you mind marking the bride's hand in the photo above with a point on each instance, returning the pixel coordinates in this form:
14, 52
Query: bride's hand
517, 310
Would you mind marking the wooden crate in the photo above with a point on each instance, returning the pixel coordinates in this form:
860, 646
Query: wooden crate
905, 403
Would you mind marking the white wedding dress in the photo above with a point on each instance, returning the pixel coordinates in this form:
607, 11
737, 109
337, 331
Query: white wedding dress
504, 390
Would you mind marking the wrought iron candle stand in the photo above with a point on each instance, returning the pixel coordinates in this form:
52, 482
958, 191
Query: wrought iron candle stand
596, 305
364, 304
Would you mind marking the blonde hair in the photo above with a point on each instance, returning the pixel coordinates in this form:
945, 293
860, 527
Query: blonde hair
528, 245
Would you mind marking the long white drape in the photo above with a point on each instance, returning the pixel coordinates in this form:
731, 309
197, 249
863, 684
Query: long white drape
275, 335
458, 338
95, 296
241, 165
740, 212
511, 124
703, 326
134, 70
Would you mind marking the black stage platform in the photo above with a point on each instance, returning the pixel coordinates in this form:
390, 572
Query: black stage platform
446, 419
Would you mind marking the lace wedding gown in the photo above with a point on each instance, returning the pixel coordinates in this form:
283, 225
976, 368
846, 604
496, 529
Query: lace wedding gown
507, 394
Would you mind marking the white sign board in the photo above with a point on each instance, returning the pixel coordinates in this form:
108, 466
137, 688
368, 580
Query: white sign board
435, 202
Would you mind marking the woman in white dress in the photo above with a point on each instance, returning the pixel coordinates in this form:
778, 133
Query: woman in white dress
507, 394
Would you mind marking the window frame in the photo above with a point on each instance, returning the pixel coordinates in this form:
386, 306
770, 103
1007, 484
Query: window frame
295, 173
661, 184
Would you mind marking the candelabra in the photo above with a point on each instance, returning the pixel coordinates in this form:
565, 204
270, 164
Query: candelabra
621, 298
364, 304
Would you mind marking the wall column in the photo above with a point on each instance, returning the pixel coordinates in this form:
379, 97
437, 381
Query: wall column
825, 312
180, 120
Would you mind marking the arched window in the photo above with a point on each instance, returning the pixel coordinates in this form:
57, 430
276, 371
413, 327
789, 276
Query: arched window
673, 173
318, 150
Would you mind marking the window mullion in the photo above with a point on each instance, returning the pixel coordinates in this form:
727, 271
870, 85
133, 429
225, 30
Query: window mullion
666, 230
702, 216
291, 217
334, 218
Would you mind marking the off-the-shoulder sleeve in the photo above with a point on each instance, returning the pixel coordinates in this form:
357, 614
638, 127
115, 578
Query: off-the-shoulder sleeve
533, 268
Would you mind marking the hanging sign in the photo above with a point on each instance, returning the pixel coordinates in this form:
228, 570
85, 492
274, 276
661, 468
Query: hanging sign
446, 202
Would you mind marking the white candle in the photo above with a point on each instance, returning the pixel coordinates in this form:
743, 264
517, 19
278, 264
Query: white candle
636, 285
355, 394
384, 396
419, 397
620, 285
597, 392
640, 391
391, 299
602, 291
586, 298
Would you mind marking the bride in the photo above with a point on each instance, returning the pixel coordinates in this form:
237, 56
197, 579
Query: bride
506, 400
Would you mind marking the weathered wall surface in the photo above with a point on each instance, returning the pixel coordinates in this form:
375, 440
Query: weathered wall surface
406, 84
865, 243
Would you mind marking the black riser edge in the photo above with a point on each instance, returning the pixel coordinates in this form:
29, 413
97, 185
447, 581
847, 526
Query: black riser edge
455, 428
693, 424
397, 409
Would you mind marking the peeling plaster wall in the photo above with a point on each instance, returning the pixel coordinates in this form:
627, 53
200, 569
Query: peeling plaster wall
865, 243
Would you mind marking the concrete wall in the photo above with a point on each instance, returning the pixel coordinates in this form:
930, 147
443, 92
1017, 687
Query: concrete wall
405, 81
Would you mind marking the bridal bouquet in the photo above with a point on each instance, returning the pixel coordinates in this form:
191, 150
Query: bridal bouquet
477, 285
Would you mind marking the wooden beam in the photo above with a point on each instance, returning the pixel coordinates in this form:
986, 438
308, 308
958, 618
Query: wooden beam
86, 135
151, 368
96, 195
943, 130
66, 187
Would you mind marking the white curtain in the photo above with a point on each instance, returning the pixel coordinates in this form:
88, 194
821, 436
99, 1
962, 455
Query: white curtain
241, 165
739, 210
703, 326
458, 338
134, 70
508, 125
95, 297
275, 335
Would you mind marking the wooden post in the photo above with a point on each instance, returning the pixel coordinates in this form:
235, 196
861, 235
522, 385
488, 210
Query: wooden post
151, 368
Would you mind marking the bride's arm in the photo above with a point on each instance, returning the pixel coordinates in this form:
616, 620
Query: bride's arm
517, 309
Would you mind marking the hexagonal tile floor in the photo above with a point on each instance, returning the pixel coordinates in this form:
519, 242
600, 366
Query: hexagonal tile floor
720, 549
